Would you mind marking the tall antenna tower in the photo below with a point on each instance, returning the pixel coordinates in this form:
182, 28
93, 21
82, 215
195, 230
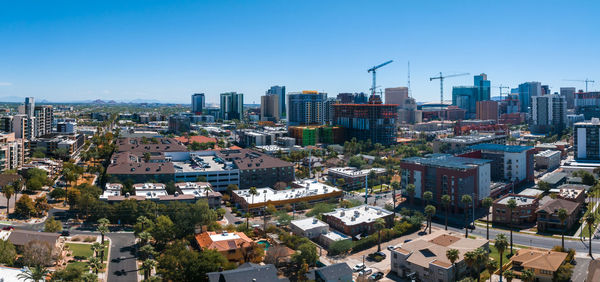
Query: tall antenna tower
409, 92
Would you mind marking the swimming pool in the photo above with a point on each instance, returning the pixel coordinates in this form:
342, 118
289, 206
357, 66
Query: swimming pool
265, 243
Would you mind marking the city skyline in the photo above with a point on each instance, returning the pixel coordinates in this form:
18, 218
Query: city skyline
157, 50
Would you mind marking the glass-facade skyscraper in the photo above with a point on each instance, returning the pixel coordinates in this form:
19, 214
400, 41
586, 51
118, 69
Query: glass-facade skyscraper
197, 103
279, 91
466, 97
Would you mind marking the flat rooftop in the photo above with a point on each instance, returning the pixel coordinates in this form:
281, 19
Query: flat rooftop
521, 201
500, 147
547, 153
360, 214
471, 139
199, 164
224, 236
308, 188
354, 172
447, 161
308, 223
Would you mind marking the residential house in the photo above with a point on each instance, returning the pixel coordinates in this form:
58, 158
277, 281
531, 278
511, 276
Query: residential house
247, 272
232, 245
331, 273
547, 215
541, 262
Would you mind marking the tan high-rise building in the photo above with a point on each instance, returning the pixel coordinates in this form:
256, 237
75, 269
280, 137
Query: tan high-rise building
269, 108
396, 95
487, 110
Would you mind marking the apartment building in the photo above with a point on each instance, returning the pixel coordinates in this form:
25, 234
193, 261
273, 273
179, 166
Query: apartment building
353, 178
525, 212
357, 220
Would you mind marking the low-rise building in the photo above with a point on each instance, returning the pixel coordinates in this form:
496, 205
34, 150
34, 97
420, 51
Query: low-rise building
309, 191
331, 273
525, 212
572, 192
331, 237
426, 256
232, 245
509, 163
247, 272
150, 190
357, 220
542, 263
548, 159
309, 227
200, 190
547, 215
354, 178
459, 143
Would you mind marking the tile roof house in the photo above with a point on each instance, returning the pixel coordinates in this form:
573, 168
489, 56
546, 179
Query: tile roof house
232, 245
547, 214
541, 262
426, 256
247, 272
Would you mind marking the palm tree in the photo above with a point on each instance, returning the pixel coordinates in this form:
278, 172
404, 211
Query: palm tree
145, 237
103, 227
430, 211
487, 203
147, 266
481, 259
143, 221
527, 276
466, 201
427, 196
89, 277
8, 191
491, 266
500, 245
452, 255
589, 219
470, 259
378, 225
252, 192
410, 190
509, 275
17, 187
512, 204
35, 274
96, 247
395, 186
446, 203
562, 216
94, 264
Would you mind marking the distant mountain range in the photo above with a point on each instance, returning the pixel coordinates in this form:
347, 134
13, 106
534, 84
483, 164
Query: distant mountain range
17, 99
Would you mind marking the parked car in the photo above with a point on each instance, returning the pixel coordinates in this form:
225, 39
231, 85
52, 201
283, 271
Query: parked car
365, 272
381, 254
376, 276
65, 233
359, 267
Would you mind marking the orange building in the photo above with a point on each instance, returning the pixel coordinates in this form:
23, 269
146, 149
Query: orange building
232, 245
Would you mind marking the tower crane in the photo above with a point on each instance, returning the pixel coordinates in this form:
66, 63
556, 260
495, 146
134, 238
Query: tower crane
500, 87
374, 71
582, 80
441, 78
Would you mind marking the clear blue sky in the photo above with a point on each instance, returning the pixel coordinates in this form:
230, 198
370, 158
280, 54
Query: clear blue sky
167, 50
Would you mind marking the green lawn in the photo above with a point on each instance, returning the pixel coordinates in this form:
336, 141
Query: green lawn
85, 250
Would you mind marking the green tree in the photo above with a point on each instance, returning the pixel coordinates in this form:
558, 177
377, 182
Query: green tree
509, 275
103, 227
544, 186
589, 219
470, 259
24, 206
146, 252
410, 190
8, 191
379, 225
430, 212
340, 247
94, 264
512, 204
179, 263
562, 216
97, 248
466, 201
163, 230
564, 273
446, 204
8, 253
487, 203
491, 266
88, 277
500, 244
35, 274
52, 225
427, 196
73, 272
453, 255
308, 254
527, 276
395, 186
147, 266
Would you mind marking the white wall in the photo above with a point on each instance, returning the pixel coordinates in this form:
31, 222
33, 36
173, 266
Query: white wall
484, 181
581, 149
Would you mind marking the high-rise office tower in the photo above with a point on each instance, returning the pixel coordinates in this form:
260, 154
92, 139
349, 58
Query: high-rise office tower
197, 103
29, 106
587, 104
232, 105
269, 108
279, 91
44, 117
586, 140
484, 87
306, 108
545, 90
396, 95
569, 94
526, 91
548, 113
